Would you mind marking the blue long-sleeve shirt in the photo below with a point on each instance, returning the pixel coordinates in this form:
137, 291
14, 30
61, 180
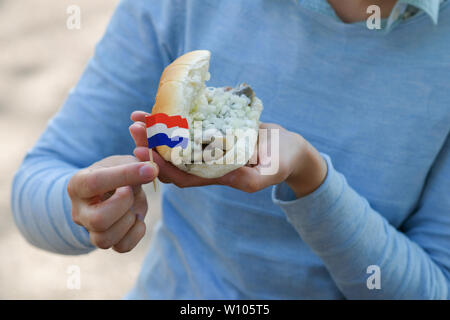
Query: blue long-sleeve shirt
376, 105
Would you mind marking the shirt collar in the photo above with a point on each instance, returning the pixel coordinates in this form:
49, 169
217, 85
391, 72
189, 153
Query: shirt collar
400, 10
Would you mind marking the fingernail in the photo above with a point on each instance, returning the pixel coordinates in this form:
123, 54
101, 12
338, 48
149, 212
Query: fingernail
140, 217
146, 171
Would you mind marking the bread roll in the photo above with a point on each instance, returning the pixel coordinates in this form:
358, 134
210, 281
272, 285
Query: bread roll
223, 122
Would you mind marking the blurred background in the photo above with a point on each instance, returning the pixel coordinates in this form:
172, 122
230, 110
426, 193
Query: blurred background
40, 60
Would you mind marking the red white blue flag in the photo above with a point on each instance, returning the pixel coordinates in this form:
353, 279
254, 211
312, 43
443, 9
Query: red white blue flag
171, 131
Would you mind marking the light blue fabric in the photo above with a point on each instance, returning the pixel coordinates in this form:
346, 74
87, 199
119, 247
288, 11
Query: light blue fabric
321, 6
376, 106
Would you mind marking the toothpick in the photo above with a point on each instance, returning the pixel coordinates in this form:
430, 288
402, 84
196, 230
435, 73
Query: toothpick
151, 161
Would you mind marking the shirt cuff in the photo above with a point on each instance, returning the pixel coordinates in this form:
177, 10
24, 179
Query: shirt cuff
315, 205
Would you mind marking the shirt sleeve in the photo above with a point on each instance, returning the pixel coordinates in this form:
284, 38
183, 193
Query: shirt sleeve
349, 236
122, 76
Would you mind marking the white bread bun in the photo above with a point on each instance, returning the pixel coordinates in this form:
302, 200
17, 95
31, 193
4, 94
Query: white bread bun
230, 118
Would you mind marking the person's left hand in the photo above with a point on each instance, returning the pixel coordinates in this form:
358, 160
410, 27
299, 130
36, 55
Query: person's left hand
299, 164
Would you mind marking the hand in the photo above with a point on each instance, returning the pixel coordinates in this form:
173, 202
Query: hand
108, 200
300, 165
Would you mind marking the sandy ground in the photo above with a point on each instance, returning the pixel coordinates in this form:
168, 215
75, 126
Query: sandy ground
40, 60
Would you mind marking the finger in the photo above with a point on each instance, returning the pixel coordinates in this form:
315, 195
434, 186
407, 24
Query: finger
114, 234
140, 205
142, 154
254, 158
115, 161
139, 115
104, 197
95, 182
100, 217
247, 179
168, 173
131, 239
265, 139
171, 174
139, 134
263, 151
268, 125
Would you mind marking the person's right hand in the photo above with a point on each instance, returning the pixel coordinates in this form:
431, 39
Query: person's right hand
108, 200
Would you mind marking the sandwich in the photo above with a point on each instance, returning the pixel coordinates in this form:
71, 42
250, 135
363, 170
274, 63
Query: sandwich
223, 122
